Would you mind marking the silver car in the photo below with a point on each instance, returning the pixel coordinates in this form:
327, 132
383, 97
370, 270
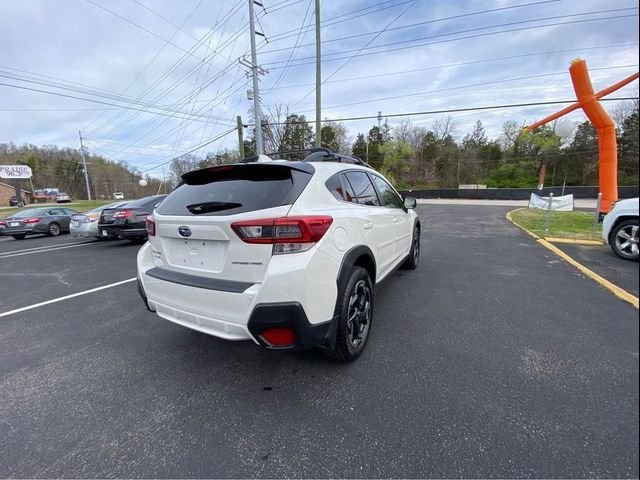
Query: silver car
86, 224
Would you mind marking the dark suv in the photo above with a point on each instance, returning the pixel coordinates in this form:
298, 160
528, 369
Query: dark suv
128, 221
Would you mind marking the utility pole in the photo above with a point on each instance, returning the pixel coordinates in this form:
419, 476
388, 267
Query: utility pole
379, 119
240, 136
84, 166
318, 78
254, 72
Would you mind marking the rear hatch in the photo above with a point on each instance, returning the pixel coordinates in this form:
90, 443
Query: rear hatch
193, 225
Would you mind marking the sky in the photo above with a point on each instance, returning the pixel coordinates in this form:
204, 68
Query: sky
147, 80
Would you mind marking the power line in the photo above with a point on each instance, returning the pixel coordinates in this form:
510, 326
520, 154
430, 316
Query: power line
327, 22
450, 110
417, 94
89, 100
480, 35
190, 151
175, 66
362, 48
472, 62
437, 20
294, 50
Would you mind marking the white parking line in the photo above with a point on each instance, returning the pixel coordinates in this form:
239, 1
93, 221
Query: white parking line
67, 297
50, 246
44, 249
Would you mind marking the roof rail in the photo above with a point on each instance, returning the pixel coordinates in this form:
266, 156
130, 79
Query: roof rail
321, 154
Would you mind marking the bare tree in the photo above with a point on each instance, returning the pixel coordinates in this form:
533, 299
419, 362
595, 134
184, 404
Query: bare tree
273, 127
444, 127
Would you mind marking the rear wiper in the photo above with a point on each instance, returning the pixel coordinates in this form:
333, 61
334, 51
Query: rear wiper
207, 207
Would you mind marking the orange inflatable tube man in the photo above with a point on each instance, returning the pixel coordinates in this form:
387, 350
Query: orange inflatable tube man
588, 100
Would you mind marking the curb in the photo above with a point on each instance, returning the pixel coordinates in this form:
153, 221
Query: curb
616, 290
574, 241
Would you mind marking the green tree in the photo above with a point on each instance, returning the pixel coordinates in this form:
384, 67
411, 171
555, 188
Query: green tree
297, 134
359, 147
396, 161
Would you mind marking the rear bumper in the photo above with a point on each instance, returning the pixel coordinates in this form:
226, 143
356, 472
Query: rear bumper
26, 230
229, 310
108, 231
85, 230
133, 232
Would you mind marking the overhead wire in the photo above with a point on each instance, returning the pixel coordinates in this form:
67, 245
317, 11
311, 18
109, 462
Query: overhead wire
486, 34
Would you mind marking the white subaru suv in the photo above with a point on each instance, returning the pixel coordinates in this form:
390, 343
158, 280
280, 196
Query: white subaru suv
284, 253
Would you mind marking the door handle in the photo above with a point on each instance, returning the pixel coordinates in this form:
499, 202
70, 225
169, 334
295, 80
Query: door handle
396, 220
367, 226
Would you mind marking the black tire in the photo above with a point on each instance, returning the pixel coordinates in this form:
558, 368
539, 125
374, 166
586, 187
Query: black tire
54, 230
624, 239
411, 263
19, 237
356, 313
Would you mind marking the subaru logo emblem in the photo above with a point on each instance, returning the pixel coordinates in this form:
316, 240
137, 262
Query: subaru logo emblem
184, 231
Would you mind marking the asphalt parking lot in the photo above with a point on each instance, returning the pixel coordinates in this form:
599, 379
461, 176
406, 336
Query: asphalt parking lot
493, 359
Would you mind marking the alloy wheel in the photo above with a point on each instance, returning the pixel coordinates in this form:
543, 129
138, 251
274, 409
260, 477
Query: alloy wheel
359, 314
627, 240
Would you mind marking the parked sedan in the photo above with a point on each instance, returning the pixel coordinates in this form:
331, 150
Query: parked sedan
86, 224
63, 198
34, 221
129, 221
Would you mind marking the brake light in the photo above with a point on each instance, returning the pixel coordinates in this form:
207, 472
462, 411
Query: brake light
123, 214
92, 217
278, 337
286, 234
32, 220
150, 225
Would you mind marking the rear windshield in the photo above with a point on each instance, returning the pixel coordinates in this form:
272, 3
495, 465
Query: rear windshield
229, 190
29, 212
144, 202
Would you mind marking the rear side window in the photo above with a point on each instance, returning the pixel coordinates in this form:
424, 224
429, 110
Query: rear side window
363, 189
233, 189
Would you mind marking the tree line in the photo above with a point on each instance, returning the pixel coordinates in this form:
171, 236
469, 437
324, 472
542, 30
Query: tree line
411, 156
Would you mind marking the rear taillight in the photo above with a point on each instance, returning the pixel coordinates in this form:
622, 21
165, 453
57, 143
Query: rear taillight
90, 218
123, 214
286, 234
32, 220
150, 225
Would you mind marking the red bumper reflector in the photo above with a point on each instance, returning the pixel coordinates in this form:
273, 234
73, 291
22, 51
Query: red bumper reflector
278, 337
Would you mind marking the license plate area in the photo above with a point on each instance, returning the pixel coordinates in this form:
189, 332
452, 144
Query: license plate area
196, 254
14, 224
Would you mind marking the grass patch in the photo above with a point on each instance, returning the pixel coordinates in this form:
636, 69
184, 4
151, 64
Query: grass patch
574, 225
80, 205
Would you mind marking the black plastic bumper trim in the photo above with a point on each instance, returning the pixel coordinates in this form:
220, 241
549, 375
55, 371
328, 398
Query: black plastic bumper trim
290, 315
196, 281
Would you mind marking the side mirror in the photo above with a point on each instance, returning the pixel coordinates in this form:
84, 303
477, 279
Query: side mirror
410, 202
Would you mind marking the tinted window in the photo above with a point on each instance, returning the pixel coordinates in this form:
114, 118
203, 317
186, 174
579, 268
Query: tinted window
335, 187
362, 187
388, 196
232, 189
56, 211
